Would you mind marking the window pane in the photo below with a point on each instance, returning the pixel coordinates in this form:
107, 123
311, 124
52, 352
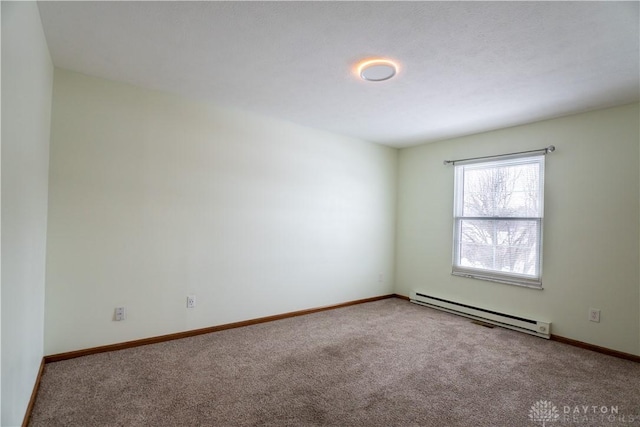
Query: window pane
506, 246
510, 190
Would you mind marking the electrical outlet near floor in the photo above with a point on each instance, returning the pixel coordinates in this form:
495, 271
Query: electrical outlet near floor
120, 313
191, 301
594, 315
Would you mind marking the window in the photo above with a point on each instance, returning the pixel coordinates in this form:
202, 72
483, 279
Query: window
498, 211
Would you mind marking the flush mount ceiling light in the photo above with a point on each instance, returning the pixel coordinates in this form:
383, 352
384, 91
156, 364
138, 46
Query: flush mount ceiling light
377, 69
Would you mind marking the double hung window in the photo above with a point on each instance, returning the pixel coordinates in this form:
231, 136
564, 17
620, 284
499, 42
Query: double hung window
498, 213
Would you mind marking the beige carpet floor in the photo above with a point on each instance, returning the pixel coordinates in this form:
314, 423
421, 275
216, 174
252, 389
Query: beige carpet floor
385, 363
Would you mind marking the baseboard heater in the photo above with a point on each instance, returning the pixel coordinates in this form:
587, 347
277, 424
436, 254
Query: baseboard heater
517, 323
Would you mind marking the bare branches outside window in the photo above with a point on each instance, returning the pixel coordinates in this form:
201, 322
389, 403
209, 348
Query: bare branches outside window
498, 220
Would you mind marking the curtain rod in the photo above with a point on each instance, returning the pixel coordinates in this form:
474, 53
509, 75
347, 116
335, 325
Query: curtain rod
549, 149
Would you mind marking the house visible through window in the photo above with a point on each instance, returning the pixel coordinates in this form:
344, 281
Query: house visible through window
498, 220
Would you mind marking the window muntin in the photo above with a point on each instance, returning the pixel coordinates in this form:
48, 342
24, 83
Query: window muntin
498, 214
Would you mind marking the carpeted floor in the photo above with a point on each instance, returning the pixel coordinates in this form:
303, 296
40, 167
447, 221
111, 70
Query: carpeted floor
385, 363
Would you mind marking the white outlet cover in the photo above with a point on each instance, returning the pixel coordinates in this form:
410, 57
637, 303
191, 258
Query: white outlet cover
191, 301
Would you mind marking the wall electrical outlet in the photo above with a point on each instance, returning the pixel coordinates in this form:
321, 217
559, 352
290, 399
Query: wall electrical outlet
191, 301
594, 315
120, 313
380, 277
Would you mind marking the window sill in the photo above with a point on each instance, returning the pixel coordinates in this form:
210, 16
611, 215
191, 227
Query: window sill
508, 280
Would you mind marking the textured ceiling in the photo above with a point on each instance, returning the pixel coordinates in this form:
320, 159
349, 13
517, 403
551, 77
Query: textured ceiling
466, 67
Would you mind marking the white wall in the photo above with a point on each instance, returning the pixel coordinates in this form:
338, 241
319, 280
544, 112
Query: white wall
153, 197
27, 78
591, 233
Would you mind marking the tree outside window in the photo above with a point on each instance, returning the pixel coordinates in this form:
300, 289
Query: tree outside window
498, 220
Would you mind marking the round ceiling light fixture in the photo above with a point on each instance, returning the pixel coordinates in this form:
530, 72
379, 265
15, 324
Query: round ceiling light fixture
377, 69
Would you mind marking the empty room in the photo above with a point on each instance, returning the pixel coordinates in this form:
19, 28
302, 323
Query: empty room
320, 213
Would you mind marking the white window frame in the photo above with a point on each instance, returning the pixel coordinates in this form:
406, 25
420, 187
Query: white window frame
532, 281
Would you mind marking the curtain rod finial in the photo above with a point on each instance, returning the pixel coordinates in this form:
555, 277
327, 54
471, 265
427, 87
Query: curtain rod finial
551, 149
